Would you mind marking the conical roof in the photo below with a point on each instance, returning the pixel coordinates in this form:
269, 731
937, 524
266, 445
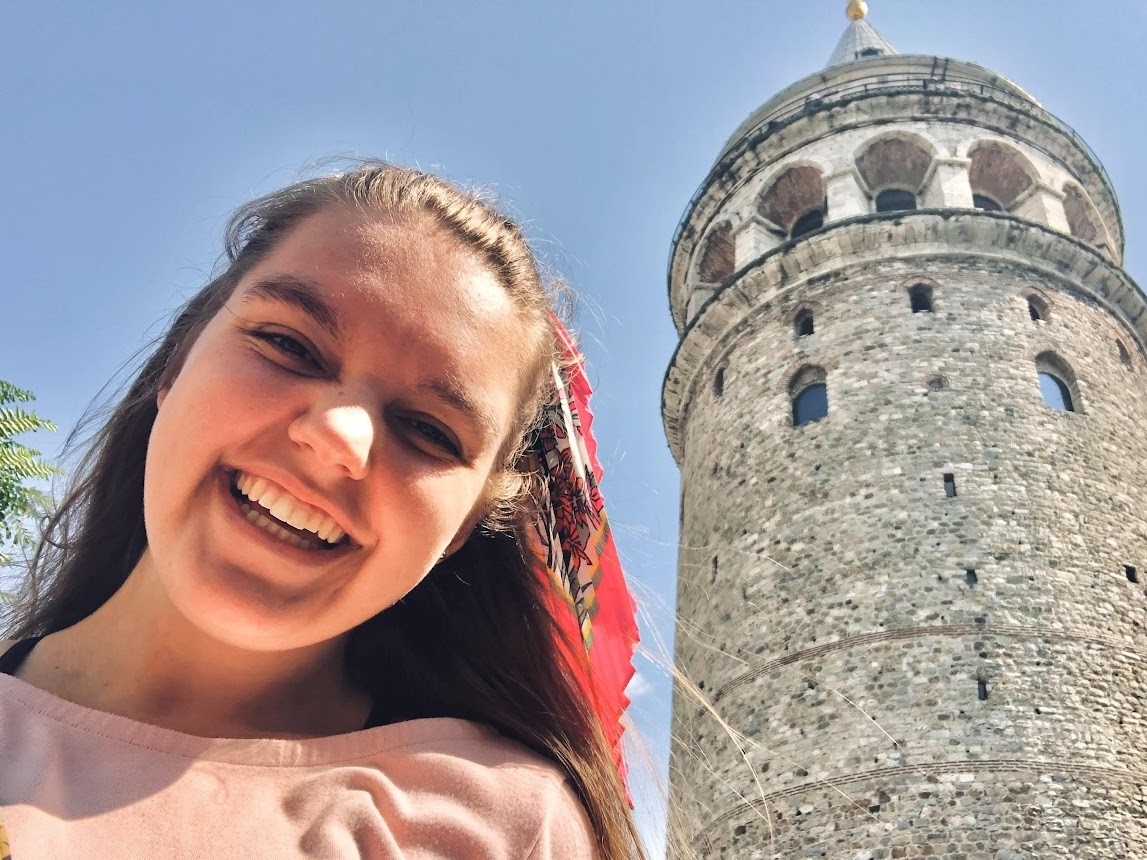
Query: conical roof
860, 41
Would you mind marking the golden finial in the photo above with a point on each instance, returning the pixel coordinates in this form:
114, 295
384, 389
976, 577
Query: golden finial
857, 9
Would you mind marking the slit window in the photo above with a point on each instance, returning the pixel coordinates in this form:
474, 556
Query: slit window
1055, 392
1131, 573
950, 485
920, 298
983, 201
811, 220
719, 382
971, 577
982, 690
803, 324
895, 200
1124, 355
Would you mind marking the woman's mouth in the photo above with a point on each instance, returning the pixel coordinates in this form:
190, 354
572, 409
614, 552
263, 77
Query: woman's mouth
280, 514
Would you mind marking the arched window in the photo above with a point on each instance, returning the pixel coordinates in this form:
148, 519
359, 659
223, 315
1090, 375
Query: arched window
718, 257
983, 201
811, 404
794, 202
811, 220
808, 393
1082, 219
895, 200
1057, 384
1037, 309
999, 175
803, 323
1055, 392
894, 169
920, 298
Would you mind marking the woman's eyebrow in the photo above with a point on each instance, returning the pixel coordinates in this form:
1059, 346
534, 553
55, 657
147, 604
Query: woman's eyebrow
297, 293
454, 397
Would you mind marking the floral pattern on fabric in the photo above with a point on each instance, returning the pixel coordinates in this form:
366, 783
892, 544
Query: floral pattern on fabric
575, 549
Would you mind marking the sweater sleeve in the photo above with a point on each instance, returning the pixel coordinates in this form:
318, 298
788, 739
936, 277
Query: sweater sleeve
566, 833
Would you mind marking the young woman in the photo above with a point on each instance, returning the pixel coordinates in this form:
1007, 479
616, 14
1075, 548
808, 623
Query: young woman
333, 580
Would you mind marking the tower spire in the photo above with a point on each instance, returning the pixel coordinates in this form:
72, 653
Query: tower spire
861, 40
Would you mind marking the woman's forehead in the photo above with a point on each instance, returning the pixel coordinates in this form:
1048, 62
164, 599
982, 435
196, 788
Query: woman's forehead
390, 257
380, 285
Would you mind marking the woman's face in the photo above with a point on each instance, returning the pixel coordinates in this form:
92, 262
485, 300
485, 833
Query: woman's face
332, 431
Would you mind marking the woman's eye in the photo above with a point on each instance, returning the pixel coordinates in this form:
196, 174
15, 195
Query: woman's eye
288, 346
434, 435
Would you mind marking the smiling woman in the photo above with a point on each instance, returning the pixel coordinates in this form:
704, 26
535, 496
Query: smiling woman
337, 557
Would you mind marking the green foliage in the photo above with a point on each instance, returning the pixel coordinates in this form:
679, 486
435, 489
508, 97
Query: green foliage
19, 466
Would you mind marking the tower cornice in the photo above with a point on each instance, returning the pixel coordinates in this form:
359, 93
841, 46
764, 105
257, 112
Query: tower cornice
878, 92
926, 234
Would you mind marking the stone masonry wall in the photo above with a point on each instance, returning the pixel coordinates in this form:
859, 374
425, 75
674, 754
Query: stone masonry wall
827, 609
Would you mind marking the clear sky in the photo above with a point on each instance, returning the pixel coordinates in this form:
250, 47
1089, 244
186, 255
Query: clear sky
131, 130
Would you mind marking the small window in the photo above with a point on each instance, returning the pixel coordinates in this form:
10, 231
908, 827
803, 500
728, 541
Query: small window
811, 404
982, 690
1037, 310
983, 201
719, 382
812, 220
937, 383
971, 577
1124, 355
803, 324
869, 52
895, 200
950, 485
920, 297
1131, 574
1055, 392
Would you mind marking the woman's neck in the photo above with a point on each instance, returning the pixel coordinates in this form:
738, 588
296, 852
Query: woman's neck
139, 658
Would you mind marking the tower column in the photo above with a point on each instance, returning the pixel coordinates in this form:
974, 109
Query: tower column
1044, 205
948, 185
752, 239
846, 197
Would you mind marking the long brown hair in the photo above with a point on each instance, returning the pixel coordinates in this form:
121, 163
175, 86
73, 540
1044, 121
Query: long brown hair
501, 659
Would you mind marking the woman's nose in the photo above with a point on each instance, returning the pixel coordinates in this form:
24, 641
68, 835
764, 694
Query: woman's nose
340, 436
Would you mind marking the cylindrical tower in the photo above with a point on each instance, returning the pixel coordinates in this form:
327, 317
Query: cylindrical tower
908, 405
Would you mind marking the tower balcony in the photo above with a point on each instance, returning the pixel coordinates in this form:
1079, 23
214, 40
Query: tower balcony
958, 105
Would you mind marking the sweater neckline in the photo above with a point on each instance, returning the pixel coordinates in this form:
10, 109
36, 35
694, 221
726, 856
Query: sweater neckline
254, 752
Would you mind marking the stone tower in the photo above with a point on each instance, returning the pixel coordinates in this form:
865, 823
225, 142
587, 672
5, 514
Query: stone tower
909, 405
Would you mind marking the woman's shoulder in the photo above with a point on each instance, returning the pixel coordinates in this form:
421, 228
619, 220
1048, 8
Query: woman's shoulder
502, 782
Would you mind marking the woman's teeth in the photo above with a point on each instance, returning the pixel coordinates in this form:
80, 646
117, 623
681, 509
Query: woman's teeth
288, 510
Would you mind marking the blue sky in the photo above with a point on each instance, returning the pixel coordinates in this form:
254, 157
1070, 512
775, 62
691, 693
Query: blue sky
132, 129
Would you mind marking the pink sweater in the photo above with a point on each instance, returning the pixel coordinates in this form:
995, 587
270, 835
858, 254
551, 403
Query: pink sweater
81, 783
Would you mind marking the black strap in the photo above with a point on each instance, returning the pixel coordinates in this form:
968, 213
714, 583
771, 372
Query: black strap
12, 659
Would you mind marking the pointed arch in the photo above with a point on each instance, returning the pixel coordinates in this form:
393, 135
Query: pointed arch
1082, 217
894, 167
794, 200
718, 255
999, 173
